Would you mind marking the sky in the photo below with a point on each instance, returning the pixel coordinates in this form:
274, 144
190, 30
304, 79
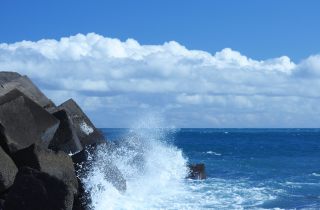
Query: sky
203, 64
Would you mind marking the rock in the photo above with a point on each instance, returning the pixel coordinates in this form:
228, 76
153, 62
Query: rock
26, 86
8, 171
197, 171
65, 138
18, 128
87, 159
7, 76
45, 122
82, 200
1, 203
51, 107
96, 137
82, 124
3, 196
57, 164
38, 190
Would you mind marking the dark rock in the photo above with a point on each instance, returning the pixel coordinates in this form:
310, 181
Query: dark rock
86, 159
7, 76
18, 128
3, 196
96, 137
1, 203
38, 190
65, 138
57, 164
197, 171
26, 86
45, 122
82, 199
51, 107
8, 171
85, 130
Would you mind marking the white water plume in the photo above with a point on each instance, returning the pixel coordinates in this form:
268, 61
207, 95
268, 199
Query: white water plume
154, 169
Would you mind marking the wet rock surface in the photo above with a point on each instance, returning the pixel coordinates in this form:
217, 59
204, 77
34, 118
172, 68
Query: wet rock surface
38, 190
88, 158
197, 171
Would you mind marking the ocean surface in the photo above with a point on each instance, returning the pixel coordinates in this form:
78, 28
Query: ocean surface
245, 168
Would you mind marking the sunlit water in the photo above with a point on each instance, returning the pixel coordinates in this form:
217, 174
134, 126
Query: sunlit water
246, 169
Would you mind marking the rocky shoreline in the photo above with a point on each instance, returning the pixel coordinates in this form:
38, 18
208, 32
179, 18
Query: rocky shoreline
42, 149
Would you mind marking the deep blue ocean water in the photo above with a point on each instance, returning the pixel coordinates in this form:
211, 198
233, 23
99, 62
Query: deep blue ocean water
246, 169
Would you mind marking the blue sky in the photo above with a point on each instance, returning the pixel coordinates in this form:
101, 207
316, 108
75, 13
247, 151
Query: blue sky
214, 63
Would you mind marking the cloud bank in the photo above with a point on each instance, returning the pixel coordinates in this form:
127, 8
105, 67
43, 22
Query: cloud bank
113, 80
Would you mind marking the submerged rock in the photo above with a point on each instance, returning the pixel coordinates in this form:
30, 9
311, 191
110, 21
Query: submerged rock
197, 171
38, 190
8, 171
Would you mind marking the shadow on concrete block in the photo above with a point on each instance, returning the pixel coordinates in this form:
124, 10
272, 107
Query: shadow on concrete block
65, 138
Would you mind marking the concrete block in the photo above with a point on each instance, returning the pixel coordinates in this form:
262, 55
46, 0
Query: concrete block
45, 122
27, 87
7, 76
58, 164
18, 128
65, 138
8, 171
82, 124
38, 190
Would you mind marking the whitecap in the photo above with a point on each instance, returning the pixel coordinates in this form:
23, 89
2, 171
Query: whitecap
210, 152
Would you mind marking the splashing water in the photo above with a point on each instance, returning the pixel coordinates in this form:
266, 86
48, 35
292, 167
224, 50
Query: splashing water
155, 171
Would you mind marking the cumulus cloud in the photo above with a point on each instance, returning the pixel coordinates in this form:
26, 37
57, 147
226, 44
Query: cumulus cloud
114, 78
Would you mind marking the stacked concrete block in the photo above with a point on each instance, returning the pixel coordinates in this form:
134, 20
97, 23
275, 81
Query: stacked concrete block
18, 128
88, 134
38, 190
46, 124
65, 138
58, 164
8, 171
12, 80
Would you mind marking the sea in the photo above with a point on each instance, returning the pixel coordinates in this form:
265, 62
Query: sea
247, 168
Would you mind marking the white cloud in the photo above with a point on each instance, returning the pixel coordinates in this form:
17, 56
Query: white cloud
102, 73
